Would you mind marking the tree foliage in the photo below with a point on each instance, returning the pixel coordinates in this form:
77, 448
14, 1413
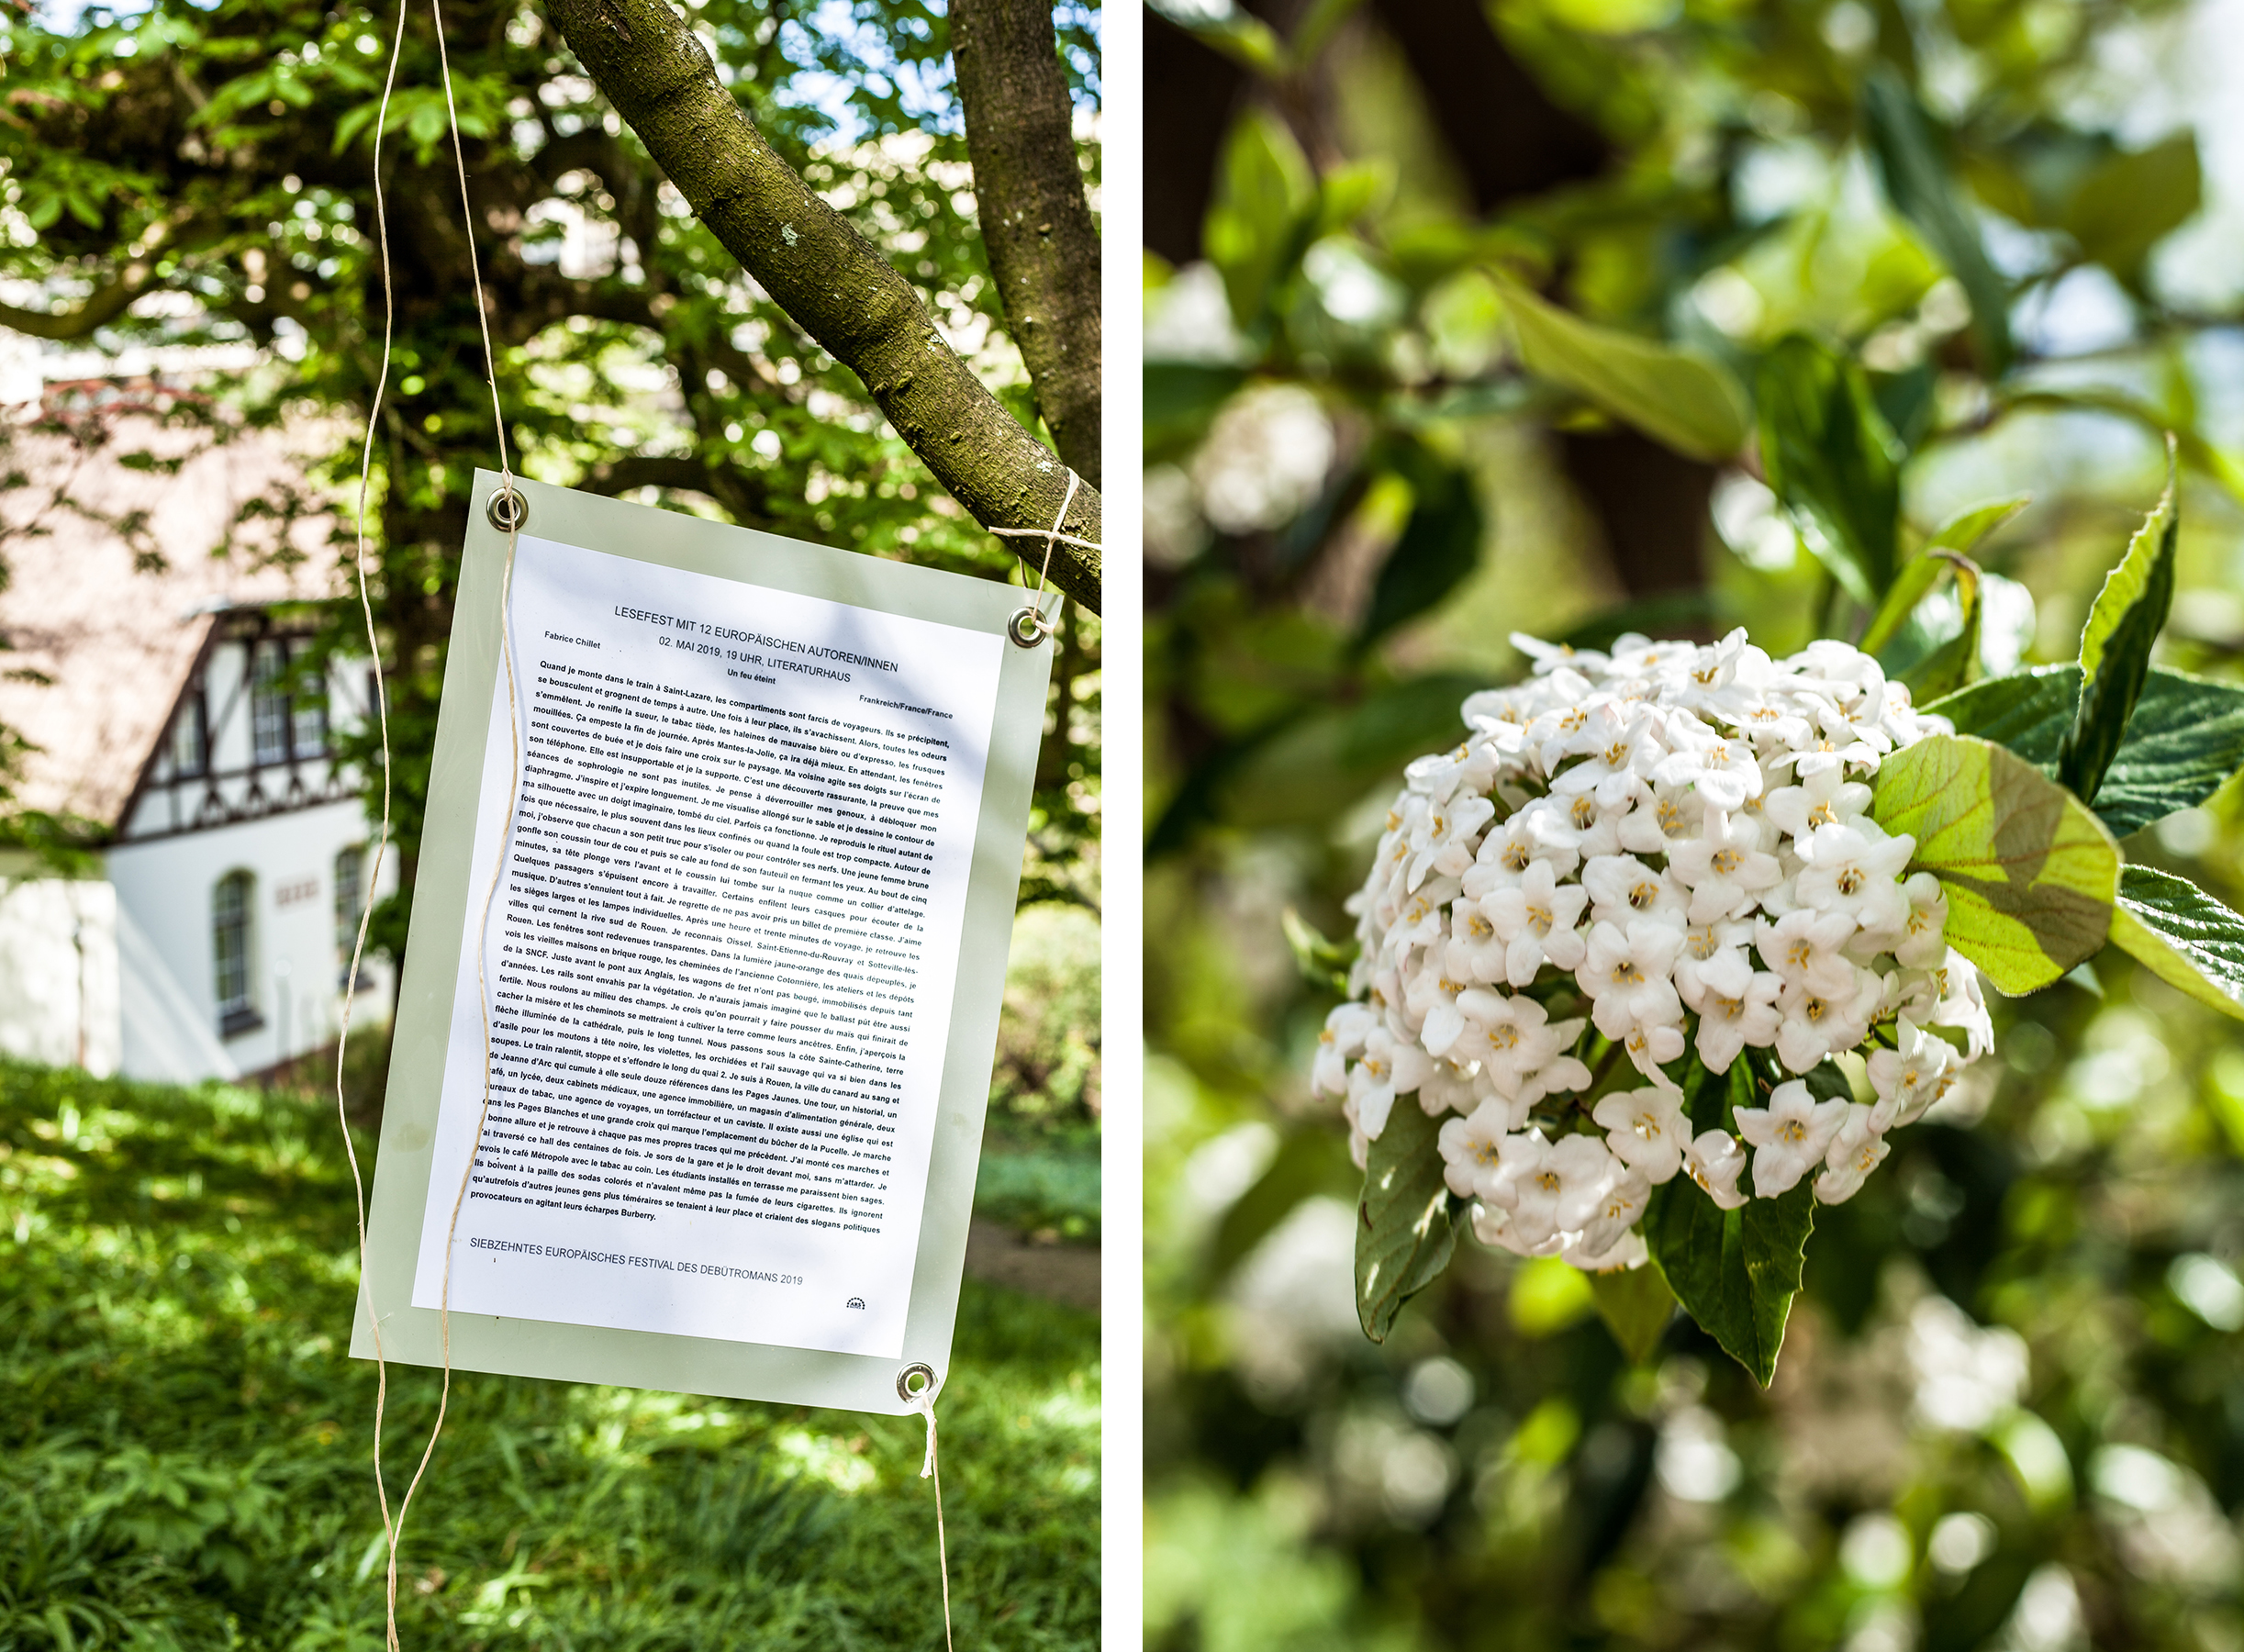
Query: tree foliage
193, 174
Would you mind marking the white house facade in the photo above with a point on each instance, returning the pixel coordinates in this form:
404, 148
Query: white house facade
180, 713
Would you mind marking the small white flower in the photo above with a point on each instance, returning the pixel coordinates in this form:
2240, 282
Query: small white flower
1628, 977
1715, 1161
1534, 919
1587, 1171
1471, 1150
1622, 889
1494, 1225
1813, 1024
1646, 1130
1630, 1252
1391, 1066
1468, 767
1444, 839
1804, 949
1606, 1220
1650, 1045
1910, 1077
1451, 1088
1856, 1149
1855, 868
1340, 1042
1622, 748
1529, 1186
1520, 1048
1963, 1005
1723, 768
1924, 943
1722, 869
1727, 1025
1669, 816
1715, 961
1789, 1136
1507, 852
1579, 823
1433, 1001
1824, 799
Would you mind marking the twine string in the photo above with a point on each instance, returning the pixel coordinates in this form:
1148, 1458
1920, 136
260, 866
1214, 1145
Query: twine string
373, 875
1052, 536
924, 1403
393, 1527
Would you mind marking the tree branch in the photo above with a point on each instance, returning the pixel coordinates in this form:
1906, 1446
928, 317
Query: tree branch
108, 302
1035, 221
827, 276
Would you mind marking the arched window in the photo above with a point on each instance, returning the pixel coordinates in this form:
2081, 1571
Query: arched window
350, 906
233, 906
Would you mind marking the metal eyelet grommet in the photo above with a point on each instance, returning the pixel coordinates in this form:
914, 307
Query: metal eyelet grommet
1027, 629
507, 510
920, 1369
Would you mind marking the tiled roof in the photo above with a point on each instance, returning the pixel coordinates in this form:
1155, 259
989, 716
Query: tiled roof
117, 644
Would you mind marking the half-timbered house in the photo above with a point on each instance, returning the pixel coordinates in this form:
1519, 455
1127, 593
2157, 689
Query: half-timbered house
168, 702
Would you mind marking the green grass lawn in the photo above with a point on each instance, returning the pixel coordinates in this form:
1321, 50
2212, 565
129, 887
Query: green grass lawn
184, 1442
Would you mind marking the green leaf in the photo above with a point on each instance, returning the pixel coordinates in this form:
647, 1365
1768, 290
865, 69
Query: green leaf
1684, 401
1323, 964
1439, 547
1919, 180
1834, 461
1257, 229
1903, 641
2181, 935
2131, 202
2028, 872
1403, 1238
1246, 39
1735, 1272
1910, 586
2184, 742
2129, 612
1636, 1306
1962, 532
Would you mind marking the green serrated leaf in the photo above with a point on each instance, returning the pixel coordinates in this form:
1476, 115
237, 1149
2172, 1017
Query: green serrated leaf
2028, 872
2181, 935
1403, 1238
1832, 459
2129, 612
1684, 401
2184, 742
1636, 1306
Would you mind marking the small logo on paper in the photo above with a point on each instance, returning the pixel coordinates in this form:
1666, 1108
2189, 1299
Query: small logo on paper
855, 1302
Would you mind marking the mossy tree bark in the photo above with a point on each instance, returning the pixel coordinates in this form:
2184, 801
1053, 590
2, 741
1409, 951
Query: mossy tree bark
1035, 222
837, 287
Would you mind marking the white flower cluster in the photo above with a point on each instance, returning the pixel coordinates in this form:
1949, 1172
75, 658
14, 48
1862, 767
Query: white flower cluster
1661, 850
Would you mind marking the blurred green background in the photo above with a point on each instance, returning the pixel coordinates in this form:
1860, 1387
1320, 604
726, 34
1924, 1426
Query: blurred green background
2009, 1411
